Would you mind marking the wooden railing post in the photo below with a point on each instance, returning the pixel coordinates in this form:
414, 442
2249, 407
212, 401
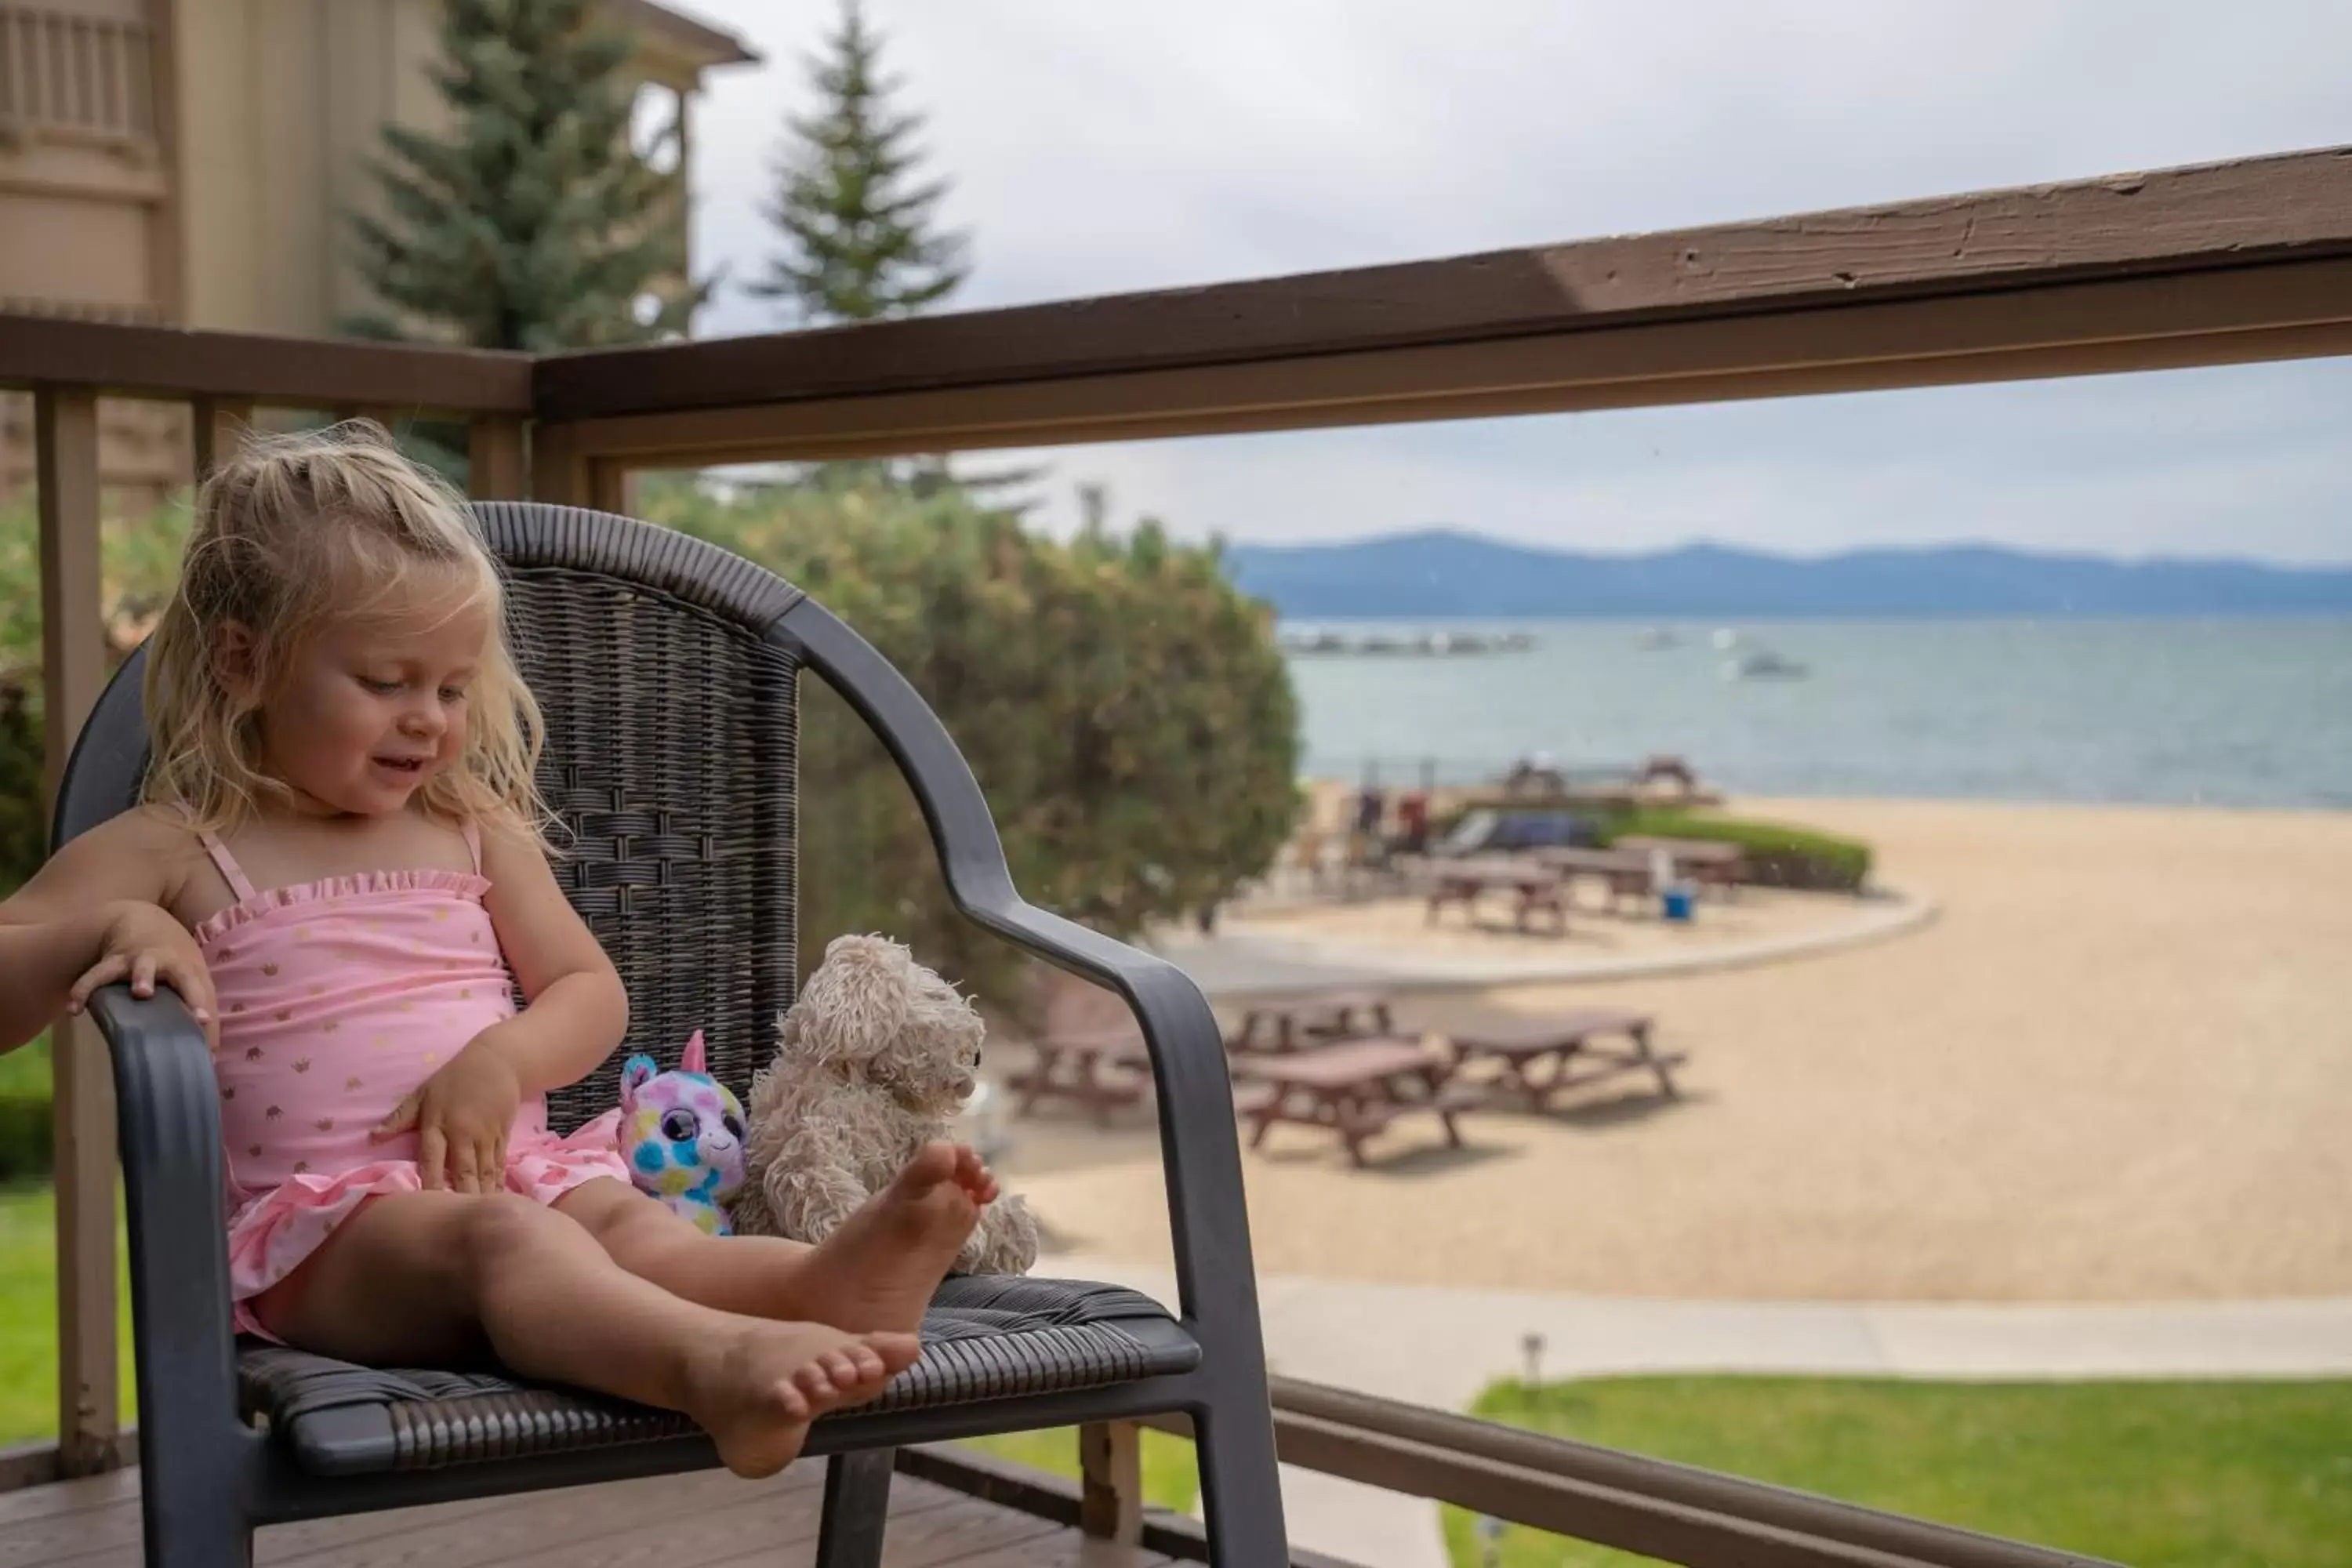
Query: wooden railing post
1110, 1474
220, 423
494, 464
73, 654
558, 474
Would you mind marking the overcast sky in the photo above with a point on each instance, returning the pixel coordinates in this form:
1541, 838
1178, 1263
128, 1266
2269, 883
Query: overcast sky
1101, 147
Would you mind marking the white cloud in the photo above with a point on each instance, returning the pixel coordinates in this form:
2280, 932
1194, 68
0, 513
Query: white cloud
1100, 148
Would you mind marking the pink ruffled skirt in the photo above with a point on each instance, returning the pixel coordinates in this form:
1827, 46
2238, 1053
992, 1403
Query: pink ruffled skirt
271, 1236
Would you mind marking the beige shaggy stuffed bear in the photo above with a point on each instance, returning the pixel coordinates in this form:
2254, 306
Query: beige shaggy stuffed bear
873, 1061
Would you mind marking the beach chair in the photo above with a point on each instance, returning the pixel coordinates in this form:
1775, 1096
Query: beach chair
668, 671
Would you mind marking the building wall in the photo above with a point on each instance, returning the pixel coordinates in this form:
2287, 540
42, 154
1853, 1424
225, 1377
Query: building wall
195, 161
283, 103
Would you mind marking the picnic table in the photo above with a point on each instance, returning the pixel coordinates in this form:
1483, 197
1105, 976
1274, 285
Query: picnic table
1465, 881
1102, 1069
1706, 861
1286, 1023
1625, 872
1559, 1042
1353, 1088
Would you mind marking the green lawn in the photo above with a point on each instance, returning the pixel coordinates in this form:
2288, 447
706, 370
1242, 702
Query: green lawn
1170, 1480
2157, 1475
28, 1317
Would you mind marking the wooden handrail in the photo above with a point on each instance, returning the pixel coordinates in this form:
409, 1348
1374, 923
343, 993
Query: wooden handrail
252, 367
1677, 1512
2224, 216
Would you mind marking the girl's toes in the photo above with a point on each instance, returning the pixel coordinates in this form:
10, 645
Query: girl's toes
812, 1381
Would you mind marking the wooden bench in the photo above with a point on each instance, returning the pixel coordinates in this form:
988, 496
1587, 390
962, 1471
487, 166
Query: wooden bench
1706, 861
1352, 1087
1560, 1040
1286, 1023
1625, 873
1103, 1071
1537, 888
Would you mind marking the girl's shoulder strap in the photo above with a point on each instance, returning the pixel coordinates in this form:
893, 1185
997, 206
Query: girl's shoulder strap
472, 832
231, 873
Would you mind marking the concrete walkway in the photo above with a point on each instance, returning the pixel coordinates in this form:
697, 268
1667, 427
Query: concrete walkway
1440, 1347
1260, 963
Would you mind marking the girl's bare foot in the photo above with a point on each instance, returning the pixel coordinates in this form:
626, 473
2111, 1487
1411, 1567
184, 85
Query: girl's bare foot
878, 1270
757, 1392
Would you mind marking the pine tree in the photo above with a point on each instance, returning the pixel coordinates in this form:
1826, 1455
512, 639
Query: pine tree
537, 222
859, 230
861, 239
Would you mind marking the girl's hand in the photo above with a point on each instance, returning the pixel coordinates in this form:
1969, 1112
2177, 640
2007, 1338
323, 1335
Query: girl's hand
142, 942
461, 1116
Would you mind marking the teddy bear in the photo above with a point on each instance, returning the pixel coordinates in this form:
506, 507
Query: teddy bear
873, 1061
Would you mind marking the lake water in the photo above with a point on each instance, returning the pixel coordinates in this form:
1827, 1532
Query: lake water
2255, 713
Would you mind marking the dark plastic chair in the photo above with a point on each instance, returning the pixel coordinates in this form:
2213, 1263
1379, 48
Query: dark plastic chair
669, 672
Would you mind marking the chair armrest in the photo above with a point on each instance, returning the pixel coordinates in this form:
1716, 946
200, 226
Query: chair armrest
168, 1118
1200, 1150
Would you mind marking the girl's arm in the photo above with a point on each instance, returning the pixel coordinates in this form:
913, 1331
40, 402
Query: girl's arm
578, 1010
92, 914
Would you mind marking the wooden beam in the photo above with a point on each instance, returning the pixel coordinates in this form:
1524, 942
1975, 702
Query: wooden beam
73, 670
982, 1475
2225, 216
2284, 311
611, 486
302, 372
1110, 1481
558, 472
221, 424
494, 467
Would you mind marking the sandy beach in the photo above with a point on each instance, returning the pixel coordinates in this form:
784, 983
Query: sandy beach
2118, 1067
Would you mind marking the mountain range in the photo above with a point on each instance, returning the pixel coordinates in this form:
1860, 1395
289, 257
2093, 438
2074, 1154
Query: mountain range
1444, 573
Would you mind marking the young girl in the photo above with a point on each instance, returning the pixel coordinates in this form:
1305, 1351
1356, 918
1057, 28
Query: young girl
338, 866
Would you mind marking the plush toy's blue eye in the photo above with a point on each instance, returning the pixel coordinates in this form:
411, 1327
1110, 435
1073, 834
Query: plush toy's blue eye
734, 1125
679, 1126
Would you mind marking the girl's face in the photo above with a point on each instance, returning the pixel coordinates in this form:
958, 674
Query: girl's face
371, 707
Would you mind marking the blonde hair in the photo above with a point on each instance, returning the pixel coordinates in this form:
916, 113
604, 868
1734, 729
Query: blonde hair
292, 533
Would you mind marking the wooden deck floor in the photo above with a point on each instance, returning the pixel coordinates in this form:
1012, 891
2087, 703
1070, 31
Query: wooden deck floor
708, 1519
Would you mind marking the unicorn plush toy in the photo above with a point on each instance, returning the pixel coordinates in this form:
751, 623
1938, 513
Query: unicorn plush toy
682, 1134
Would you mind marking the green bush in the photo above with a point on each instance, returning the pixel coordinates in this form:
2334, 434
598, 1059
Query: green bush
139, 560
24, 836
1123, 706
1777, 856
24, 1141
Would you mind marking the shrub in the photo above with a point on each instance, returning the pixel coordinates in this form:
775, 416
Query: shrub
1123, 706
141, 560
24, 1141
1777, 856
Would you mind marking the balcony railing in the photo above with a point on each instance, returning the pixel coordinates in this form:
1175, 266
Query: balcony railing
2221, 263
69, 76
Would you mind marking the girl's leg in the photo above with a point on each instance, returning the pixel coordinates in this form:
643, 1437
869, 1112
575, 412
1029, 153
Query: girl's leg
877, 1272
438, 1276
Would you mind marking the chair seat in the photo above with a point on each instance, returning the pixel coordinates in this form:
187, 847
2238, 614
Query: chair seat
985, 1337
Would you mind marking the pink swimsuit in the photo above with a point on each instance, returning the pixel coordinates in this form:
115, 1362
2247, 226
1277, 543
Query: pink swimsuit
337, 998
